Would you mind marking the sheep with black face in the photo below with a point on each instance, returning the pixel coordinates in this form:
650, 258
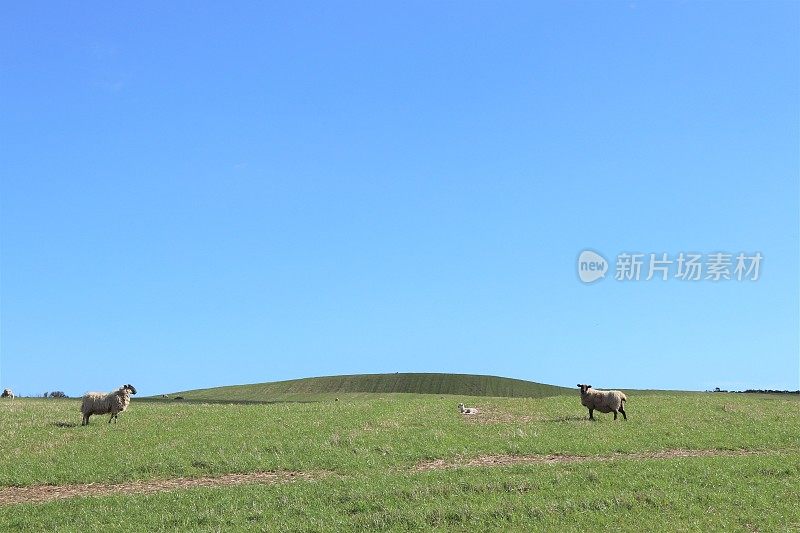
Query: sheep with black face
101, 403
605, 401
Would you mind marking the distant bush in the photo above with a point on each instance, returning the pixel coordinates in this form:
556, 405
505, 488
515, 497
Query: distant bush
771, 391
56, 394
759, 391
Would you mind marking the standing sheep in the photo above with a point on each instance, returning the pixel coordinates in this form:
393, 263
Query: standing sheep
101, 403
605, 401
7, 393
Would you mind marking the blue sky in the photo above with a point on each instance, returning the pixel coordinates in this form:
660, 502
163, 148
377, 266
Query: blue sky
197, 195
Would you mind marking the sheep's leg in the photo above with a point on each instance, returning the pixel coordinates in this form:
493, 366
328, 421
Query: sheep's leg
110, 419
591, 414
615, 415
622, 410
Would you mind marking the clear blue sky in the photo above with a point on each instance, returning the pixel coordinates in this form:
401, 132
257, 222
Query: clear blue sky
197, 195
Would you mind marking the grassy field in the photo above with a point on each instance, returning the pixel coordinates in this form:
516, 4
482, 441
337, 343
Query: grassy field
363, 452
321, 388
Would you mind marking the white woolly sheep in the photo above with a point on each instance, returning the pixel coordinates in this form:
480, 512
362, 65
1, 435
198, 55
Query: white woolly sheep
605, 401
7, 393
101, 403
467, 410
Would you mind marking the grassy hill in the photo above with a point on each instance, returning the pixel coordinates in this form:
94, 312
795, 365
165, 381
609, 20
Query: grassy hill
698, 462
310, 389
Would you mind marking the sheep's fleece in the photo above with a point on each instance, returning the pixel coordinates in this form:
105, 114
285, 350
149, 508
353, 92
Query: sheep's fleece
101, 403
605, 401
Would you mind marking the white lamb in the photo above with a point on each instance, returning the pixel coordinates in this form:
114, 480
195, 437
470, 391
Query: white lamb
467, 410
101, 403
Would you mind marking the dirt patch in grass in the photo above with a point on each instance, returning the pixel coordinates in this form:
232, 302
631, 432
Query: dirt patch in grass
492, 415
46, 493
509, 460
498, 417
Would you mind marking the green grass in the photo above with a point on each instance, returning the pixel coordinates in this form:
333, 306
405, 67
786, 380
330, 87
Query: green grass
310, 389
710, 494
369, 444
386, 385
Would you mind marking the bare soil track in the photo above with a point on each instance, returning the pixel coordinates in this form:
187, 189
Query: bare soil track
46, 493
509, 460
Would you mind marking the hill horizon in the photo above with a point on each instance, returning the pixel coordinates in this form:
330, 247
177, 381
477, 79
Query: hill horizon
387, 383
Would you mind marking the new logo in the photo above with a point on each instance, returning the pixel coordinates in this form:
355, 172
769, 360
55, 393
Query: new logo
591, 266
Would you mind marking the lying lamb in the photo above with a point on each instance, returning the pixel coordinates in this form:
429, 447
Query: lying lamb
7, 393
101, 403
467, 410
605, 401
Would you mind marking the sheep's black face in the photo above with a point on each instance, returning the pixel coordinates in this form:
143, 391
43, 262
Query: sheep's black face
584, 388
131, 388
